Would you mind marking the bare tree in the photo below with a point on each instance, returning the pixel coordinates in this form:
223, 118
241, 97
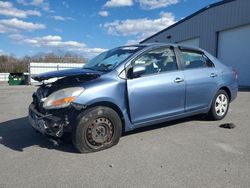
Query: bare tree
9, 63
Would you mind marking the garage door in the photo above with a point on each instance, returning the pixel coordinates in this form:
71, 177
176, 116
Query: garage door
234, 50
192, 42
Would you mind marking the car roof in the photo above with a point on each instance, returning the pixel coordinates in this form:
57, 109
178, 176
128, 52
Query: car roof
159, 44
148, 46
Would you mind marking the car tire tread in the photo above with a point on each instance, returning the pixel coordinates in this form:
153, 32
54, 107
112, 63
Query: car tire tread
86, 118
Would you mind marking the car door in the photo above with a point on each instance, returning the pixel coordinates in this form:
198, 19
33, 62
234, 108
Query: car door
201, 79
159, 92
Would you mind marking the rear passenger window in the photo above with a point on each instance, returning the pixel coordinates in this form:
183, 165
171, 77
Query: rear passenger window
193, 59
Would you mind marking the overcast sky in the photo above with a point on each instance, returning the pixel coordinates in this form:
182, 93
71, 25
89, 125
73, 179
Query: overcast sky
88, 27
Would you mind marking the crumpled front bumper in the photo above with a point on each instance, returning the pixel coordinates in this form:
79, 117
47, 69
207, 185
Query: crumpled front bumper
46, 123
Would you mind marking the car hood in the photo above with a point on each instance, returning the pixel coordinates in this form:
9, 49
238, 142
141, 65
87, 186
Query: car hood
65, 73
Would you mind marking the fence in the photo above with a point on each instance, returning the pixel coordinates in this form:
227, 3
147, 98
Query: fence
38, 68
4, 77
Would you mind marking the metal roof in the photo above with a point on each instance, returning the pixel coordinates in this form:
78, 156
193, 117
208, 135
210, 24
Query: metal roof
190, 16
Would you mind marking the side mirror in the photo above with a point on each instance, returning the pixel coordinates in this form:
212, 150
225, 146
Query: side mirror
138, 70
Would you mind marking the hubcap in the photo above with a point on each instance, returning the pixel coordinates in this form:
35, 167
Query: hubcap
221, 105
99, 132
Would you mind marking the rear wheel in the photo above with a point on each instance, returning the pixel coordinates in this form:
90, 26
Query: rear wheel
219, 106
97, 128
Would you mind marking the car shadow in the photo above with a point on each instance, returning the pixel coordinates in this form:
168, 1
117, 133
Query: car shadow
17, 135
244, 89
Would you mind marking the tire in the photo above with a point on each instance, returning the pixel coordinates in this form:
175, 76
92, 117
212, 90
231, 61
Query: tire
96, 129
220, 106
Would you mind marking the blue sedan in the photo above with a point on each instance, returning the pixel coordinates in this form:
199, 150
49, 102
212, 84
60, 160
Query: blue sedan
130, 87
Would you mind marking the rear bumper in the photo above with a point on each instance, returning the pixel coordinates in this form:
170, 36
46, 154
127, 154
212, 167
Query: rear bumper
46, 124
234, 91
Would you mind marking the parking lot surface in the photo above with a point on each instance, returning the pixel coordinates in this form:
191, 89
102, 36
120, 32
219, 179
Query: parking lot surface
191, 152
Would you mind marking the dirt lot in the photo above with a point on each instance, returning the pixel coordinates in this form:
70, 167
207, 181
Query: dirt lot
187, 153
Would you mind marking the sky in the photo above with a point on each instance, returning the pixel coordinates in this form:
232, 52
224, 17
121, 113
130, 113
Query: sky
86, 27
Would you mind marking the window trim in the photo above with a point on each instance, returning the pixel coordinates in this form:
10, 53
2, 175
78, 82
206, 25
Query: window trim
192, 51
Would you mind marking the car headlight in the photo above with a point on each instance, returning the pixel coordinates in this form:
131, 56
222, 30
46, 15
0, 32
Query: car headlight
62, 98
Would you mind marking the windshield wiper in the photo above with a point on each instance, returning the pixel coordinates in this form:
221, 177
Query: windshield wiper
101, 67
105, 67
88, 68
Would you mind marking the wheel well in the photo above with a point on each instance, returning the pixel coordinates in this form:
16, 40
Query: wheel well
228, 92
114, 107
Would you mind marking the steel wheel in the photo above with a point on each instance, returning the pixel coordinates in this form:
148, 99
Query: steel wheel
99, 133
221, 105
97, 128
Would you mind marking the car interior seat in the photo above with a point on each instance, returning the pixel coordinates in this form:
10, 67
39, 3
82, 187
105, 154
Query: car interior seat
195, 64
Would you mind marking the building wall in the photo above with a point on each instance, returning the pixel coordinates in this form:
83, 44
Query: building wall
207, 24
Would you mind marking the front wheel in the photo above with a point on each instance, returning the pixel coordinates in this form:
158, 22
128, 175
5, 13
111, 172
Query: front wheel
219, 106
96, 129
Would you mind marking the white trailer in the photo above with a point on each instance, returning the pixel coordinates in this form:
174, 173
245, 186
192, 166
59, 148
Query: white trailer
38, 68
4, 77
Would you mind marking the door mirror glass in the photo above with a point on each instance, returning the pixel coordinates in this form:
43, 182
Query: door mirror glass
138, 70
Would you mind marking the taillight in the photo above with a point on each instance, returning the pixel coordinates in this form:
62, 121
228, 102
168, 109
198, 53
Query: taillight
235, 74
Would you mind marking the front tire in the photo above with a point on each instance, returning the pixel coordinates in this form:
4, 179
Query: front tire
219, 106
96, 129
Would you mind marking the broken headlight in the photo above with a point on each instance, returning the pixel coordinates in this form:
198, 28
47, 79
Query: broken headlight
62, 98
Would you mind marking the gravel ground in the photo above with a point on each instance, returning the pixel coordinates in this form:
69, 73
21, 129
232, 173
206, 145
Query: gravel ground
188, 153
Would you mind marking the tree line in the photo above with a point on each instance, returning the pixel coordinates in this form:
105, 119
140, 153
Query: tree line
10, 63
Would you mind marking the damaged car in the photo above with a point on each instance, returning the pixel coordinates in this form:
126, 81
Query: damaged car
130, 87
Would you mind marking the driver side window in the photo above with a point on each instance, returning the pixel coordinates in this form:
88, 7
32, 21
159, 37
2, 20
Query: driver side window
157, 61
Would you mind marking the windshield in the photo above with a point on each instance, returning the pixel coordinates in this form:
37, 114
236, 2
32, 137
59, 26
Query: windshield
108, 60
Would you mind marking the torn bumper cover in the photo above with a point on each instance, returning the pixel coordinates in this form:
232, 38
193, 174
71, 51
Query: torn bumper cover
46, 124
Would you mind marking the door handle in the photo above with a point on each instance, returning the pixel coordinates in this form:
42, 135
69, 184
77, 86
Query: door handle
178, 80
213, 75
